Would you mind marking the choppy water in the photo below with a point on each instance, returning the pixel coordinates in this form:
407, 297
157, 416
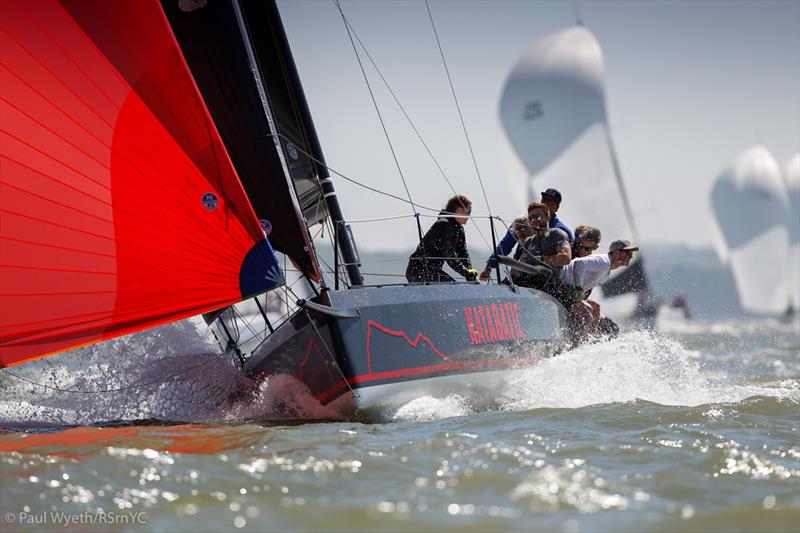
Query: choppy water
695, 428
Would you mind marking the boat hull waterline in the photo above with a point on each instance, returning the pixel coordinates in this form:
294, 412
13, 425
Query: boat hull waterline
390, 345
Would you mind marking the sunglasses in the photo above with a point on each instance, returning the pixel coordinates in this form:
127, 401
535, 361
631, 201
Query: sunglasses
538, 216
587, 248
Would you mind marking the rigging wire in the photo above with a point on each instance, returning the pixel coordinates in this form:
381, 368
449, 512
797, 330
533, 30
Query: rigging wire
330, 352
356, 182
410, 122
336, 274
458, 107
377, 109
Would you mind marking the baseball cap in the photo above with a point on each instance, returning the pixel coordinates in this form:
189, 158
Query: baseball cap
622, 244
553, 193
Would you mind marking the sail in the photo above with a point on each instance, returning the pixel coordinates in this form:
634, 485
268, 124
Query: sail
630, 280
554, 115
253, 101
119, 206
749, 204
791, 174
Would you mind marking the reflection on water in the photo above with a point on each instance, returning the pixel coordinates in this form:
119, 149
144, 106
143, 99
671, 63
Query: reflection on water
694, 430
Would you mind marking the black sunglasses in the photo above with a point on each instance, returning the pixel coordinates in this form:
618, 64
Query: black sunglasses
587, 248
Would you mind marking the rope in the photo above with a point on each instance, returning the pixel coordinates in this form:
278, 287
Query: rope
395, 217
385, 275
458, 107
330, 268
379, 219
356, 182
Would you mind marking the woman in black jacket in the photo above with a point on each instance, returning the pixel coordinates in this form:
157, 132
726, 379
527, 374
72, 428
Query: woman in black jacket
444, 241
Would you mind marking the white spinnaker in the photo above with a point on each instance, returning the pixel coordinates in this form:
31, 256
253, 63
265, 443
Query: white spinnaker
751, 212
791, 174
554, 114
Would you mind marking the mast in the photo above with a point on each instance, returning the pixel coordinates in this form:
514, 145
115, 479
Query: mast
626, 204
643, 281
342, 233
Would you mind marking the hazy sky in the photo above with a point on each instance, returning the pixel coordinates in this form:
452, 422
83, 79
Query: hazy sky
689, 86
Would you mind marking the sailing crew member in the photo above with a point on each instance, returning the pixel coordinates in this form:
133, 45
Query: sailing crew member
547, 246
552, 199
582, 274
550, 245
520, 230
444, 241
586, 241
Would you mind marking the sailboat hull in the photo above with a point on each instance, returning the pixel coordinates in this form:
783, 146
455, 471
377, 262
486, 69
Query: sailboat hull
391, 345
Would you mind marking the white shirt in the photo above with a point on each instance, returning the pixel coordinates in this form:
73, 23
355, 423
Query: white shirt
586, 272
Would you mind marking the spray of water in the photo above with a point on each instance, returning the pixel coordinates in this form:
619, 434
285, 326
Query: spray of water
177, 374
635, 366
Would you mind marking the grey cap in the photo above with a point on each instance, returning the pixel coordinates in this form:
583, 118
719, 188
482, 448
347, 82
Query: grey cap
622, 244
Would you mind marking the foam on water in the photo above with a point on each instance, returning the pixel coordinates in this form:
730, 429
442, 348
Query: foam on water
279, 397
430, 408
171, 375
174, 373
635, 366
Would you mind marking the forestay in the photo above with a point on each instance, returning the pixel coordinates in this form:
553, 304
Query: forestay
120, 207
751, 214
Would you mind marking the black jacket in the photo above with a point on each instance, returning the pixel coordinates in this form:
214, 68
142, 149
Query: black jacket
444, 241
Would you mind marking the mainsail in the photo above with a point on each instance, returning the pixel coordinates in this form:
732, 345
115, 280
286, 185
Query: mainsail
120, 207
554, 113
791, 174
751, 213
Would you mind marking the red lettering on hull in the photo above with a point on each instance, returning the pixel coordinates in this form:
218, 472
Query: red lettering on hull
493, 323
490, 321
473, 331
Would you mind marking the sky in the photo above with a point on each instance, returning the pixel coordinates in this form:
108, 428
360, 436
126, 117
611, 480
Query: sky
689, 86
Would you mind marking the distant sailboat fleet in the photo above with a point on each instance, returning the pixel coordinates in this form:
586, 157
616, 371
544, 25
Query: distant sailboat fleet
554, 116
756, 207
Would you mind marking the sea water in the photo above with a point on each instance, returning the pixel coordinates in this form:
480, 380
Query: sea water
693, 428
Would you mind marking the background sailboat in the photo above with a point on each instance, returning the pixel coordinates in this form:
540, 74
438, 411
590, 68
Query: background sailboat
751, 214
553, 112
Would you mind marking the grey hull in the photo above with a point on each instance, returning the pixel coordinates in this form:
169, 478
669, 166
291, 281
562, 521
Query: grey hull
368, 351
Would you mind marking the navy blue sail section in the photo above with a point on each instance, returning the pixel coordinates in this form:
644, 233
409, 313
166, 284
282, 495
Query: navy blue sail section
260, 270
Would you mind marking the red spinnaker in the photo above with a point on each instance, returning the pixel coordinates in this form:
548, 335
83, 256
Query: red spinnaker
119, 207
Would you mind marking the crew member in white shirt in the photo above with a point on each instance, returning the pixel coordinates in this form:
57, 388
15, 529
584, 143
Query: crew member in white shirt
584, 273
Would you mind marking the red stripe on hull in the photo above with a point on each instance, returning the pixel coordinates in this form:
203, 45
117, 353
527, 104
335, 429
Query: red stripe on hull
424, 370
